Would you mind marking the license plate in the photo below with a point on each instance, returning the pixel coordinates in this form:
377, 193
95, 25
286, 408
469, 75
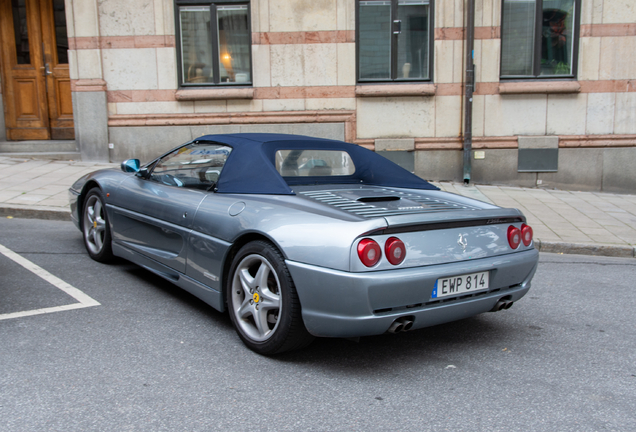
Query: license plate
462, 284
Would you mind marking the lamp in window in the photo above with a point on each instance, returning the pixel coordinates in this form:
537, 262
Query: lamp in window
226, 62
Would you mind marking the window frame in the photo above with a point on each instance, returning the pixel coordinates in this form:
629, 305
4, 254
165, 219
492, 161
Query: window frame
536, 58
394, 48
215, 43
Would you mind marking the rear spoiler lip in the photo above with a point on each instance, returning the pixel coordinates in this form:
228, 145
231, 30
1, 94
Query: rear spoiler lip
447, 220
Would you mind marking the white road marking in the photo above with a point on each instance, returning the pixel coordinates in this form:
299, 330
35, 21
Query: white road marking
83, 299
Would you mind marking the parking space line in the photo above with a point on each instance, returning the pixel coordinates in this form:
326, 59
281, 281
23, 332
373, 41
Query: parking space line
83, 299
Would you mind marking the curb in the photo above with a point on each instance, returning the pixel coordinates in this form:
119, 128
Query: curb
35, 212
608, 250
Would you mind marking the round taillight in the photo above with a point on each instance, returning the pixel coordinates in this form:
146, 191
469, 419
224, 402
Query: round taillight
526, 234
514, 236
394, 250
369, 252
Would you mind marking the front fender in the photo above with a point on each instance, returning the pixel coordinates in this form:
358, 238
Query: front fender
108, 180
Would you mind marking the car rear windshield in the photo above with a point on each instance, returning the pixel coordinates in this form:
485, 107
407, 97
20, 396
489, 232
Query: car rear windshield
314, 163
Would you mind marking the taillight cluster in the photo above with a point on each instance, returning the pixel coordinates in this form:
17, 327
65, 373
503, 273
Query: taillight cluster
517, 236
370, 252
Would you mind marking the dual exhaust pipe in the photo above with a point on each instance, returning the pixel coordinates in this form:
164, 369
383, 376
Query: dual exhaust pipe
401, 324
501, 305
405, 323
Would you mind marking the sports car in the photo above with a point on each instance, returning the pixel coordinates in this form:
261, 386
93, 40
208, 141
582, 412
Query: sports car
301, 237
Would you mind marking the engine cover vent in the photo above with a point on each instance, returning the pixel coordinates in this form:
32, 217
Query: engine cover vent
380, 202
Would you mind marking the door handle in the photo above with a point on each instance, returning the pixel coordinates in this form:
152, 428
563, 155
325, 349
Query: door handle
47, 71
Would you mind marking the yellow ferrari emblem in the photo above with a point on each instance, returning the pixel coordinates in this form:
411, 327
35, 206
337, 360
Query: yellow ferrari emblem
256, 297
94, 224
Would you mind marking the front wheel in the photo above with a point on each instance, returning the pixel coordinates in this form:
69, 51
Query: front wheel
95, 227
263, 302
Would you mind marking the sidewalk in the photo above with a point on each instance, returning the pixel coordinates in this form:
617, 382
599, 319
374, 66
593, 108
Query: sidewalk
590, 223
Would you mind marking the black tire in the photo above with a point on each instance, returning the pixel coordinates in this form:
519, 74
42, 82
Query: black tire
95, 227
267, 318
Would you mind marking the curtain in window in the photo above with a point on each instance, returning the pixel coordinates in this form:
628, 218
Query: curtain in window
517, 35
375, 40
234, 44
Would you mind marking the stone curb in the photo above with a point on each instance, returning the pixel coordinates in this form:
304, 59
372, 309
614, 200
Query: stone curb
35, 212
608, 250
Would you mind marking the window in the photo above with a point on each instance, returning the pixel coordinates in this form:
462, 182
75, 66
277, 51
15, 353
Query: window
394, 40
214, 43
314, 163
196, 165
539, 38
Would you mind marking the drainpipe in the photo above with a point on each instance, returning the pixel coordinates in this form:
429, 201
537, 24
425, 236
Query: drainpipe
470, 88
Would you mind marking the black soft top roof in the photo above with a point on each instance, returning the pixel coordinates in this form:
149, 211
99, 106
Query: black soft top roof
251, 166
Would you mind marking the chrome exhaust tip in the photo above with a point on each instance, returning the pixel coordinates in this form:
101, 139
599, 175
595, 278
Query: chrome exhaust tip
401, 324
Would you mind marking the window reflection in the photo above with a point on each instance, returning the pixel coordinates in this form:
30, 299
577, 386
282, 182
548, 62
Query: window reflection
20, 29
215, 43
393, 39
196, 44
556, 37
196, 165
413, 39
61, 37
525, 53
314, 163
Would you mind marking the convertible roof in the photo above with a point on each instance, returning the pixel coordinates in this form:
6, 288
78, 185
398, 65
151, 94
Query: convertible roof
251, 166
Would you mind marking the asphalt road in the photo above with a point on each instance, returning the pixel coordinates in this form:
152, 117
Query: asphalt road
151, 357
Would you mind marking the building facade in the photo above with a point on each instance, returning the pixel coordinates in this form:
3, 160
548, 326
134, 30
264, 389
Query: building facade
554, 99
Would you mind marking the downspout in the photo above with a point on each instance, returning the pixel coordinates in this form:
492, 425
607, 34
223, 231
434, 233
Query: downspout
470, 88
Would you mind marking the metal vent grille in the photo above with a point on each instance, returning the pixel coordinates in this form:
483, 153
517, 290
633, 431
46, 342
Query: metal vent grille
409, 203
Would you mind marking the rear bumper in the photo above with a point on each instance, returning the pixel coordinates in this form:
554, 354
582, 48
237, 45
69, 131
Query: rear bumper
344, 304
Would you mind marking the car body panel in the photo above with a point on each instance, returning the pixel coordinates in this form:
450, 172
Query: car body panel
440, 246
342, 304
189, 236
154, 219
206, 257
206, 293
300, 234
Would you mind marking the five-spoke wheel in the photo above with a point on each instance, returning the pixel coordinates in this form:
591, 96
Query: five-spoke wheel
263, 302
95, 226
256, 297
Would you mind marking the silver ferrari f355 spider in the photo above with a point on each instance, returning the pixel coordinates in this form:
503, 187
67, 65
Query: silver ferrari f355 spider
302, 237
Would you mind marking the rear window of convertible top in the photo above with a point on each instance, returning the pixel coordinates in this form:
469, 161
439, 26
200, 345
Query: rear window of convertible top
314, 163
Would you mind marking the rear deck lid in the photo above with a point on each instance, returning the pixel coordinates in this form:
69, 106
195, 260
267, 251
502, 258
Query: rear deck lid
436, 227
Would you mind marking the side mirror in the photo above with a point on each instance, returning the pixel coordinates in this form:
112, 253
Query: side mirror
130, 165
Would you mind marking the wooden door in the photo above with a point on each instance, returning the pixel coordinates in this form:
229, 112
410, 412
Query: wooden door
35, 73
